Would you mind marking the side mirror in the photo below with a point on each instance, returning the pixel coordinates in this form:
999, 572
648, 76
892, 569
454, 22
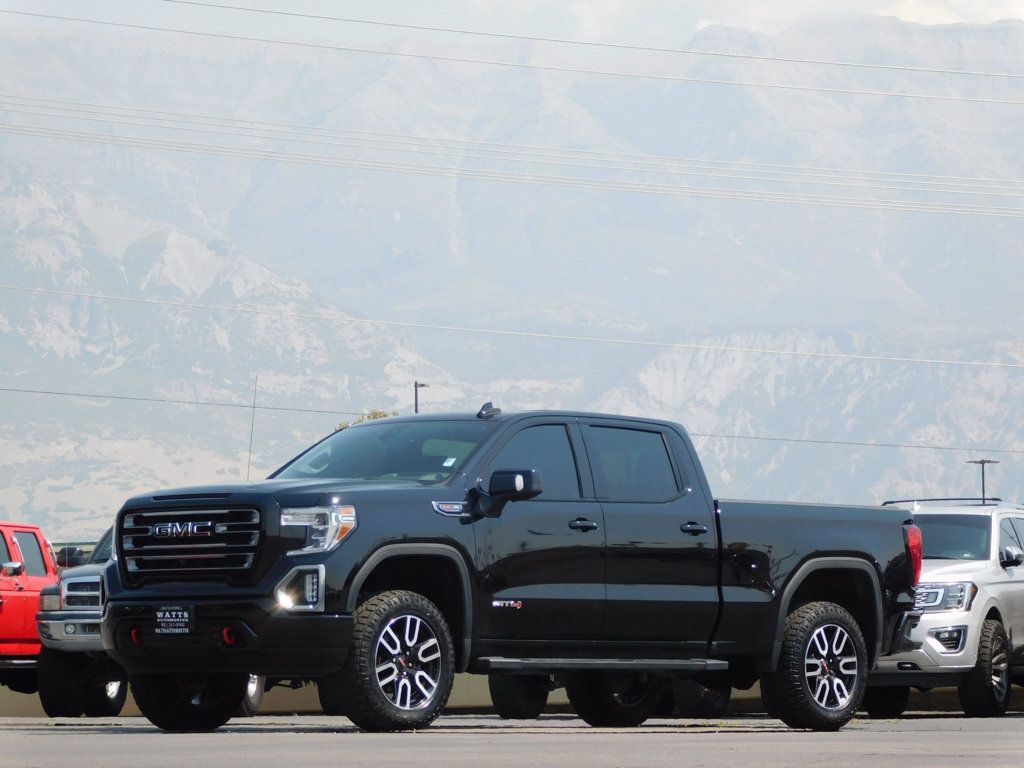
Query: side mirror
514, 484
13, 568
1011, 556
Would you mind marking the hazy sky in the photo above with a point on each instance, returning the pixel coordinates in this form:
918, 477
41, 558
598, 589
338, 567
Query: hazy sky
653, 22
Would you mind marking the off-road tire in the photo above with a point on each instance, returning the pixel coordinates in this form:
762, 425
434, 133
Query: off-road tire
519, 697
980, 694
376, 705
254, 689
614, 700
787, 692
63, 679
886, 702
178, 703
696, 700
105, 698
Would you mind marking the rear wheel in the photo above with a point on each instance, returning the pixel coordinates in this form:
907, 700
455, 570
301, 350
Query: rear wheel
401, 666
821, 675
519, 697
614, 699
985, 692
63, 679
198, 703
250, 705
886, 702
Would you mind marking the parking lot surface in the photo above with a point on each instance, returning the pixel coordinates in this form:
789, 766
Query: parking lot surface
925, 739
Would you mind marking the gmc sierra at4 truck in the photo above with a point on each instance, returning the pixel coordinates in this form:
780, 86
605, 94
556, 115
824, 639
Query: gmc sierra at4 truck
397, 552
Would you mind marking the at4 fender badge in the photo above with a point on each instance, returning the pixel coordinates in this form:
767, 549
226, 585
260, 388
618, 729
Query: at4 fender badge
517, 604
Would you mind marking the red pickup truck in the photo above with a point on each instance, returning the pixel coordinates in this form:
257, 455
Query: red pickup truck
26, 566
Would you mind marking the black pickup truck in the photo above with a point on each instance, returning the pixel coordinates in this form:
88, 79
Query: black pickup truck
532, 546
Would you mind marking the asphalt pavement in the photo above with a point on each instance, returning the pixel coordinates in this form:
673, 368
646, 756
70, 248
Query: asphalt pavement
456, 741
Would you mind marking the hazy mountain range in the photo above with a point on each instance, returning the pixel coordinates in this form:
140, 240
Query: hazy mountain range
85, 209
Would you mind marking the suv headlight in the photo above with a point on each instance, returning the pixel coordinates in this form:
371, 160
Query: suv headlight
957, 596
325, 526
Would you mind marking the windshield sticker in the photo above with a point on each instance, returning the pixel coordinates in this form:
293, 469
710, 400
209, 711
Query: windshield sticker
450, 461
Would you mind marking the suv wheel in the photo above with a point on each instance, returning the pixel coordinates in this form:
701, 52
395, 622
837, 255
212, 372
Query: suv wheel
822, 671
985, 691
62, 679
614, 699
199, 703
400, 668
886, 702
519, 697
105, 698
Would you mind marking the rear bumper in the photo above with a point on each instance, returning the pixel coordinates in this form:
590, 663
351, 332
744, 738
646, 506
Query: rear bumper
267, 640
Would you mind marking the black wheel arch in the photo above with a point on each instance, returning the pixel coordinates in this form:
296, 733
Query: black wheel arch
850, 582
386, 568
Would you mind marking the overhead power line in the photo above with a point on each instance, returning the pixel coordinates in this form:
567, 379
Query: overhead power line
599, 44
525, 66
174, 401
138, 121
251, 407
676, 190
192, 118
511, 333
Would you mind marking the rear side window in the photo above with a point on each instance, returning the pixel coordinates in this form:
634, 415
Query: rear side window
5, 553
545, 448
29, 546
630, 464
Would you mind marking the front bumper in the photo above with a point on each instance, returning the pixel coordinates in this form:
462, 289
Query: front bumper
70, 631
267, 639
922, 659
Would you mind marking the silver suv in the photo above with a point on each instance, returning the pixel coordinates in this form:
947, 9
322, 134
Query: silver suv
971, 598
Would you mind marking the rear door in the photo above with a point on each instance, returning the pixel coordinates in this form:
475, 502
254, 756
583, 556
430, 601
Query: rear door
540, 564
13, 606
661, 536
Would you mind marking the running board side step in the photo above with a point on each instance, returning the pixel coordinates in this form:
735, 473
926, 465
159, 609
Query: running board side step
695, 666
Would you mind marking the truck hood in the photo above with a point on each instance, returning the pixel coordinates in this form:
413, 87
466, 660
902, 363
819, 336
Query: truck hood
90, 569
952, 570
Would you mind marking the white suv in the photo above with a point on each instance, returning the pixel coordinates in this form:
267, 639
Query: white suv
971, 599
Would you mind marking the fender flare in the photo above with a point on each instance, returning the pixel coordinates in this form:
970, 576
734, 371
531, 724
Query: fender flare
435, 550
831, 563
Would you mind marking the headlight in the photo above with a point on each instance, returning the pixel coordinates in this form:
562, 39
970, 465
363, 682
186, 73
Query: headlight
49, 602
325, 526
945, 597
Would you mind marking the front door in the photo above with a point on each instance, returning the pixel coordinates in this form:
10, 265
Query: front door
13, 605
39, 572
540, 564
661, 536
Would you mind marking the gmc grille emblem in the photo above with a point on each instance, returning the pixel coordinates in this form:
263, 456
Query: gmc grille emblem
182, 530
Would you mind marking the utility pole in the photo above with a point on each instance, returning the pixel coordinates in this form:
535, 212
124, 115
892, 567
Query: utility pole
983, 462
252, 426
416, 387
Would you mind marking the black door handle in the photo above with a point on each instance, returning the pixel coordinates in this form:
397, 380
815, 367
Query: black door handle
582, 524
692, 528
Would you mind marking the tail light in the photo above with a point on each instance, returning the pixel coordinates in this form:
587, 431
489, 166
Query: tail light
915, 551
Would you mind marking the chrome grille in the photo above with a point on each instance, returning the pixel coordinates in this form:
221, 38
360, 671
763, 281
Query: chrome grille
182, 541
82, 592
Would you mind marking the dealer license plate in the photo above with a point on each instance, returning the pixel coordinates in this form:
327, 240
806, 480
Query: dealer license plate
175, 620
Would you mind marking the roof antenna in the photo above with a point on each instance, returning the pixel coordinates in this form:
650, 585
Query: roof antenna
487, 410
983, 462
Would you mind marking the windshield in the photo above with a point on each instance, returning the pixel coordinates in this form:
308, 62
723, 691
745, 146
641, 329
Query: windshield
425, 452
102, 551
955, 537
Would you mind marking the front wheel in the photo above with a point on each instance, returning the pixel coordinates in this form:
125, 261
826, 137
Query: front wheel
105, 698
62, 678
401, 666
985, 692
196, 703
822, 672
614, 699
254, 688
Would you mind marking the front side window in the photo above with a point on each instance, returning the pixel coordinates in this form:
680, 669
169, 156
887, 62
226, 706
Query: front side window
102, 551
1007, 535
545, 448
5, 553
630, 464
35, 565
425, 452
955, 537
